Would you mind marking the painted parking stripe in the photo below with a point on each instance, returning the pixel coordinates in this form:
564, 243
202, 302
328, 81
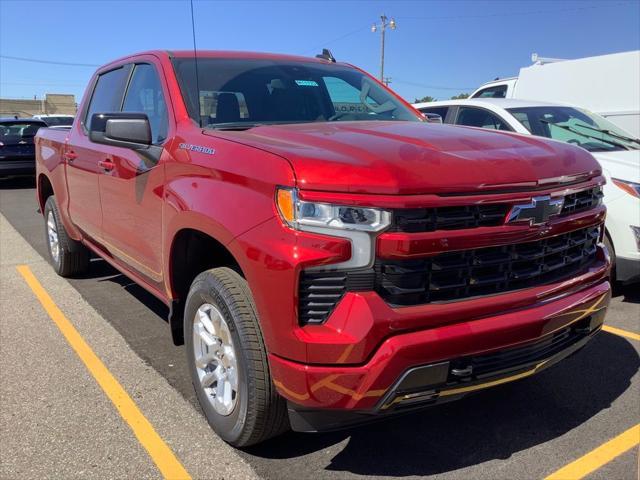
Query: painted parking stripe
164, 458
622, 333
599, 457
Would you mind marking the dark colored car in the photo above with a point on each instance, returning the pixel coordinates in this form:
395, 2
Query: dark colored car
17, 149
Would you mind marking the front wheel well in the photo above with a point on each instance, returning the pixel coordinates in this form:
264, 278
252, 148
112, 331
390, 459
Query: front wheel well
193, 252
45, 190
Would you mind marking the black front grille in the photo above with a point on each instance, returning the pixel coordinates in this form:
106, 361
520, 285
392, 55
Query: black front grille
490, 364
320, 292
485, 271
414, 220
580, 201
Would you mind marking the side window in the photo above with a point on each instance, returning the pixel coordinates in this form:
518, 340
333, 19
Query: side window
107, 94
478, 117
523, 118
145, 95
499, 91
442, 111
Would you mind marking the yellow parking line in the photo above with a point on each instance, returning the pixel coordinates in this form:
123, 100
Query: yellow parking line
599, 457
622, 333
159, 451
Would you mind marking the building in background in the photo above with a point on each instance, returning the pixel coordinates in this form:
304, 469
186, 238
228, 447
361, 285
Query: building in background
52, 103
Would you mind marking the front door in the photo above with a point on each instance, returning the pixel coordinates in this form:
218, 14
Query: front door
131, 189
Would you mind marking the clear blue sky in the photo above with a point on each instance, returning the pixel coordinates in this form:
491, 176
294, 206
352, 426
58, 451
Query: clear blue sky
441, 48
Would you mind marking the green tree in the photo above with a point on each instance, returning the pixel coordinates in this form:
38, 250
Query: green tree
462, 96
425, 99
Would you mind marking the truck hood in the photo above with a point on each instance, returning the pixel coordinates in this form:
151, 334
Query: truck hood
622, 164
387, 157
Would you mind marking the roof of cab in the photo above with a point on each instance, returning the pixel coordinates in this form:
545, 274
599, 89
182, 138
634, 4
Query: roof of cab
222, 54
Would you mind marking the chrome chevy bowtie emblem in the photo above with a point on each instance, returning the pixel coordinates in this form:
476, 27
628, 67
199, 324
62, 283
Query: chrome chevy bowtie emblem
537, 212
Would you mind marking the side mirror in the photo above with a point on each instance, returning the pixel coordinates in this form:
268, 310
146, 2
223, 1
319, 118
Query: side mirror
128, 130
432, 117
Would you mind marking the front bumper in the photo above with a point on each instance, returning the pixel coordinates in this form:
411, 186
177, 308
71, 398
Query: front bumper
420, 368
17, 167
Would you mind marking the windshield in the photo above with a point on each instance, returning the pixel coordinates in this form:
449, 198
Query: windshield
241, 93
56, 121
574, 125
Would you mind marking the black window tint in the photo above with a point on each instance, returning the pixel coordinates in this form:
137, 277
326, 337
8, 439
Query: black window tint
478, 117
107, 94
275, 91
499, 91
442, 111
145, 95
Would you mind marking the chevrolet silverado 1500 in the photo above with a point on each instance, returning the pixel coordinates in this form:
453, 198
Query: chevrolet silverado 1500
327, 256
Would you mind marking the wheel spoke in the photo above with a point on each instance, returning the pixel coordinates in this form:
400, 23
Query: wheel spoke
216, 321
228, 356
208, 339
227, 393
220, 390
204, 360
205, 320
207, 380
232, 376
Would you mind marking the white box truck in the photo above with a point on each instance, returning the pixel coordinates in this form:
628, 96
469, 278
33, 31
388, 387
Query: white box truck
608, 85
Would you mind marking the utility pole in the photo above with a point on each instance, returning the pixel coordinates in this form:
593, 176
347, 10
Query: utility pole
384, 23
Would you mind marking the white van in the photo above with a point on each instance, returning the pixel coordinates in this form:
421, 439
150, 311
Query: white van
608, 85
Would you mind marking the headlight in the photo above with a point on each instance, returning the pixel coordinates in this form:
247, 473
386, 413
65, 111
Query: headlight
300, 214
358, 224
632, 188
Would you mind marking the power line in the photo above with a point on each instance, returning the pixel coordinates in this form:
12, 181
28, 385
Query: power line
50, 62
341, 37
447, 17
512, 14
435, 87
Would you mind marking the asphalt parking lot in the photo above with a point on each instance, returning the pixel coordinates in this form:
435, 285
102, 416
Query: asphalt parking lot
57, 422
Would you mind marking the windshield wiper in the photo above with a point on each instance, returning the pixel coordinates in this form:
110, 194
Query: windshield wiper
609, 132
234, 125
569, 129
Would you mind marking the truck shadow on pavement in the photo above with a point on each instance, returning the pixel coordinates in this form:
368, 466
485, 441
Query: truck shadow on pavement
494, 424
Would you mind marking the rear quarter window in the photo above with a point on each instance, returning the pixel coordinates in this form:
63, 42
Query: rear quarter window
499, 91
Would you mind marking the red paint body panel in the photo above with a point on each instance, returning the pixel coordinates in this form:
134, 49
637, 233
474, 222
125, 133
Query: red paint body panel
361, 387
132, 214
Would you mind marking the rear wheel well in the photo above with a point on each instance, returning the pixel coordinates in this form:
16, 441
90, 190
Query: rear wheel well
193, 252
45, 190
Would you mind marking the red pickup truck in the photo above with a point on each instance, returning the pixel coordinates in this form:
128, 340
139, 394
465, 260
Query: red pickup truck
328, 257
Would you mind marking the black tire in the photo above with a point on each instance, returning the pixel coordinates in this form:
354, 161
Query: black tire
259, 412
73, 257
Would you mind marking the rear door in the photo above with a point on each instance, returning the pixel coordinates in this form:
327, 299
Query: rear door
132, 190
83, 157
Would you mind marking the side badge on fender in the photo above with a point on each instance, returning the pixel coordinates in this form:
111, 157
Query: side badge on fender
197, 148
